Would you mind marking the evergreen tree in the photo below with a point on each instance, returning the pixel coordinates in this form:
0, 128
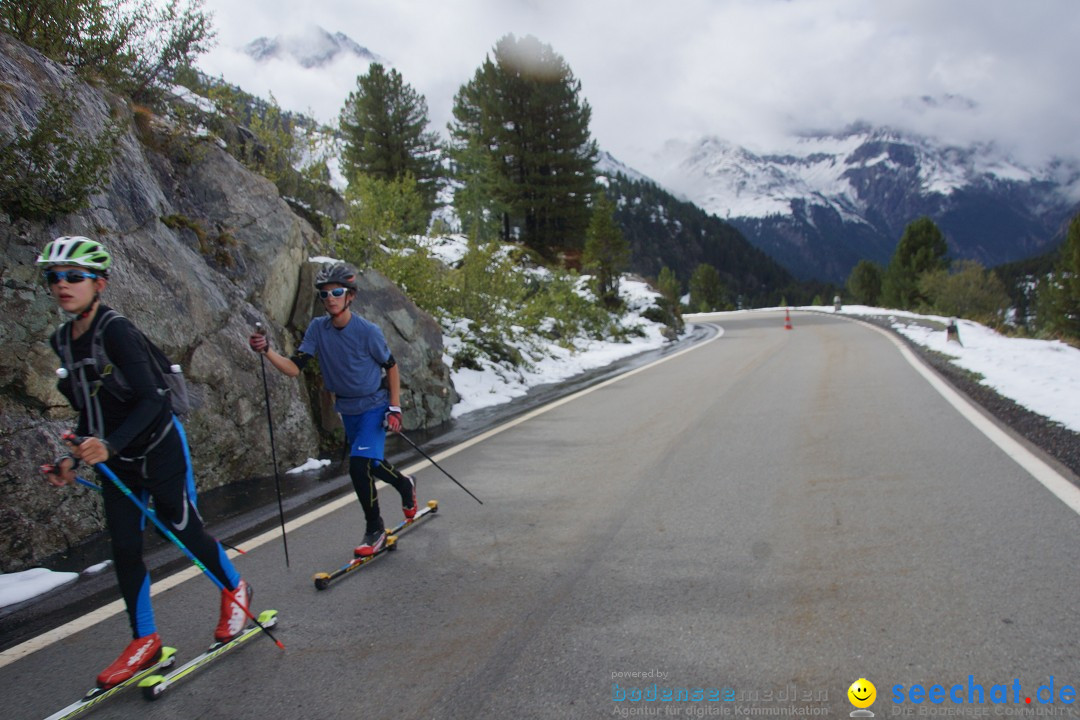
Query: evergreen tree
706, 289
1022, 279
521, 134
667, 284
606, 250
864, 282
1059, 293
921, 249
384, 122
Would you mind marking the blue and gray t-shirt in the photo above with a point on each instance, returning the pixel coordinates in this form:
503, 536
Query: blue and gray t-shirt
351, 360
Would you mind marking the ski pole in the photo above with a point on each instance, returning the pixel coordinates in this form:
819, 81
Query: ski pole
432, 461
84, 481
87, 483
94, 486
273, 450
152, 516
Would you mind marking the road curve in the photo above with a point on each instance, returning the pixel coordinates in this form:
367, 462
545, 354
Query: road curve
765, 518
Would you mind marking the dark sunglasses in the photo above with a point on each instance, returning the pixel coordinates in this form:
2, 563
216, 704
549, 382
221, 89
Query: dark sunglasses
336, 292
69, 276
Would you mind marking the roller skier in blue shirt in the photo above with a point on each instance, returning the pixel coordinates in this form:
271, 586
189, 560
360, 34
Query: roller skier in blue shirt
354, 360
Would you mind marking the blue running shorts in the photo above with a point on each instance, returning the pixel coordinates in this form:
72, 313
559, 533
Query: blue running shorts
366, 434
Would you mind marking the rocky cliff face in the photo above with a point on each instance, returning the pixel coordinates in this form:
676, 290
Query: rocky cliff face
203, 250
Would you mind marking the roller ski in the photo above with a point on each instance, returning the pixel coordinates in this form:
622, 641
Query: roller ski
361, 558
323, 580
409, 523
98, 695
154, 685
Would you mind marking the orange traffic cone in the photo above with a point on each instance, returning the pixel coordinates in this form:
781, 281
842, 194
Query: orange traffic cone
787, 318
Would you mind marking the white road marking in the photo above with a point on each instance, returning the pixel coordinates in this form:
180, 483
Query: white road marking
1035, 466
103, 613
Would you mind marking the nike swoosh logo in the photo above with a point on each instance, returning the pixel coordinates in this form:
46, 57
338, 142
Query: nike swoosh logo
184, 519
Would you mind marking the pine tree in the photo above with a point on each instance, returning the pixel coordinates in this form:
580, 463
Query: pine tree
864, 282
384, 122
670, 290
706, 289
606, 251
922, 248
1059, 293
521, 134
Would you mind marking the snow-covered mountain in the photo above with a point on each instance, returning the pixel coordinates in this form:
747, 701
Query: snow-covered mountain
608, 165
817, 205
829, 200
310, 47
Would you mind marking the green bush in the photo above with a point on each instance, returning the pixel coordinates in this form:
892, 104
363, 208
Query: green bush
503, 292
52, 170
970, 291
380, 212
557, 311
134, 46
426, 281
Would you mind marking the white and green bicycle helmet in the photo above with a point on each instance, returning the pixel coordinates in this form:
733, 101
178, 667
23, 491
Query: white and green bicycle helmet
76, 250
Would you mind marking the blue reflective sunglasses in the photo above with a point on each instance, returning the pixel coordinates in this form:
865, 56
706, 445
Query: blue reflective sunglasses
336, 292
69, 276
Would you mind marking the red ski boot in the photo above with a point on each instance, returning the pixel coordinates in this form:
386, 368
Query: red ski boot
140, 653
373, 542
410, 512
233, 619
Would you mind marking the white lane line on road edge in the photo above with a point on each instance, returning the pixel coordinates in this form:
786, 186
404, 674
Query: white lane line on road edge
159, 586
1050, 478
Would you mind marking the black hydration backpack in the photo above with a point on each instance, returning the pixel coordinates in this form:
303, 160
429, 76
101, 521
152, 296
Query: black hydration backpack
171, 379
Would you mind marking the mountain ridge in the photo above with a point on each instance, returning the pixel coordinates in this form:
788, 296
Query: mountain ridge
822, 201
311, 47
664, 231
829, 200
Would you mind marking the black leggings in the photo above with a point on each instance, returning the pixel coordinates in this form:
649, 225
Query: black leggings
364, 472
161, 475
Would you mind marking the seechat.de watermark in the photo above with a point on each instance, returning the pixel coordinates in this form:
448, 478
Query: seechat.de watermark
978, 693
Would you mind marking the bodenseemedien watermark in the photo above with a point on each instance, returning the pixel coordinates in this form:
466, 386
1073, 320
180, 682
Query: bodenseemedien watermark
661, 699
727, 711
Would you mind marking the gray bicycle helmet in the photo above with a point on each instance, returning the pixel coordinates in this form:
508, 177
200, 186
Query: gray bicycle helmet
337, 274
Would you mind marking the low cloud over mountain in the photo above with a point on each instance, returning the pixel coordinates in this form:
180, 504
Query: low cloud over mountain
828, 200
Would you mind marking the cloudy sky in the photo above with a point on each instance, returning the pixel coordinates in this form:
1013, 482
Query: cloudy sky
752, 72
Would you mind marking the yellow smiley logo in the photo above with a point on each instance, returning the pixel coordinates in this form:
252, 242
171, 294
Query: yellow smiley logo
862, 693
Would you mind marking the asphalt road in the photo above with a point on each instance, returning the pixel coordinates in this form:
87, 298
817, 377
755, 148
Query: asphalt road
767, 517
